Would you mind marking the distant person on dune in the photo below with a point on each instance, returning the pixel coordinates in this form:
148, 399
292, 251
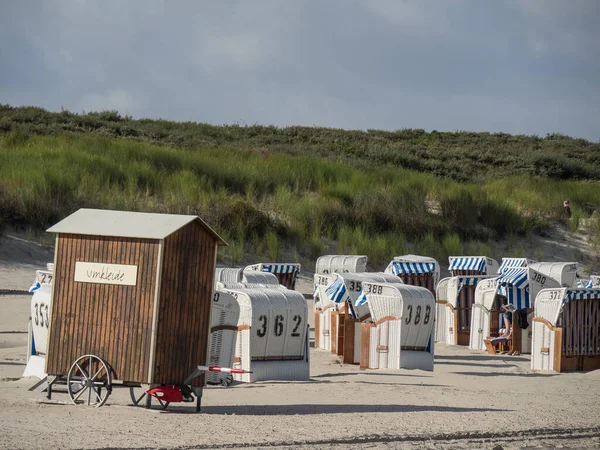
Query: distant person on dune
567, 209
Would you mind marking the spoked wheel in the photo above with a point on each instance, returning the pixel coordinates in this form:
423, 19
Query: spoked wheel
139, 397
89, 381
226, 380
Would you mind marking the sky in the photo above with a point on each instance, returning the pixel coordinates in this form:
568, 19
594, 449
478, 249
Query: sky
516, 66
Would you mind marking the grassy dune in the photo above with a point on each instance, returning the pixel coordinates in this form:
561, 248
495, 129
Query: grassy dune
261, 199
461, 156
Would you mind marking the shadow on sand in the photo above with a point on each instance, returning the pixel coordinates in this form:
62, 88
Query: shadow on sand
474, 364
378, 383
480, 358
277, 410
507, 374
369, 374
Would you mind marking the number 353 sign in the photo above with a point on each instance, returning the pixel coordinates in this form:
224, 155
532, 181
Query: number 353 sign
40, 318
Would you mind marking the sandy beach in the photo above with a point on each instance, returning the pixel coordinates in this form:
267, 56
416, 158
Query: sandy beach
471, 400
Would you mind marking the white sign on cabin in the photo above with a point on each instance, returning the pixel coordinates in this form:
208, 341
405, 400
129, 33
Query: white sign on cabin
538, 277
490, 283
121, 274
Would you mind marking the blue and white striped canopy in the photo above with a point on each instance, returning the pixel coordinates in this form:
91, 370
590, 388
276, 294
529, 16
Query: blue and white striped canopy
515, 276
400, 268
518, 297
585, 284
512, 262
467, 281
280, 268
337, 291
582, 294
361, 299
467, 263
514, 285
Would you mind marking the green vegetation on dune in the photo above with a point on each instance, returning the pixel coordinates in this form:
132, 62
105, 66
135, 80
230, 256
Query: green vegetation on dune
259, 199
461, 156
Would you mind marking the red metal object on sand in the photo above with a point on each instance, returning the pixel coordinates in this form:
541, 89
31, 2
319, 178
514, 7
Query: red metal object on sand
171, 394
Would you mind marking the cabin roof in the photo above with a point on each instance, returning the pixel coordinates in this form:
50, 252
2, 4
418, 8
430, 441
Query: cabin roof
105, 222
467, 263
415, 258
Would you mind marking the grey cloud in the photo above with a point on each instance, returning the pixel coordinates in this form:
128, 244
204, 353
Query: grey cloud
464, 65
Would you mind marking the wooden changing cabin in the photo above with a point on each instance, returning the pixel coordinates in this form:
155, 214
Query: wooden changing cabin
135, 290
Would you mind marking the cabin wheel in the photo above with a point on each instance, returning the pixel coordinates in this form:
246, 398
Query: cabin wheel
226, 380
138, 395
89, 381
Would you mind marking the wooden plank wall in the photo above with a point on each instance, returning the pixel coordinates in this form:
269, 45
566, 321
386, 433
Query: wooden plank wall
339, 325
287, 279
333, 332
317, 328
581, 328
348, 350
365, 344
517, 335
423, 280
110, 321
182, 339
467, 273
495, 324
466, 298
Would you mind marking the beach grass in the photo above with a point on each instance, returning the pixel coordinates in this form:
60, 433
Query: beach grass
261, 201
